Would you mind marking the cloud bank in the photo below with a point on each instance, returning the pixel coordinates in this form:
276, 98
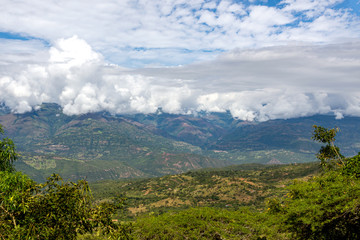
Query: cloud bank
259, 84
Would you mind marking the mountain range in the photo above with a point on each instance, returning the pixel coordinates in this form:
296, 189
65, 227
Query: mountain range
100, 145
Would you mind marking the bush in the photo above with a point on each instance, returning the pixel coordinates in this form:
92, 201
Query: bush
53, 210
352, 167
325, 207
206, 223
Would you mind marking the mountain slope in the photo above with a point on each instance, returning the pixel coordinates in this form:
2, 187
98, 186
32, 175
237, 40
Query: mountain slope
98, 146
102, 146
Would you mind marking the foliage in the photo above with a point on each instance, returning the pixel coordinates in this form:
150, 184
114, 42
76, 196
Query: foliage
7, 153
205, 223
53, 210
16, 196
230, 187
326, 206
329, 155
352, 167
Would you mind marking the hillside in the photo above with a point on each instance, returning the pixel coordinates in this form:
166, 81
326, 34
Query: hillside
97, 146
229, 187
247, 201
100, 146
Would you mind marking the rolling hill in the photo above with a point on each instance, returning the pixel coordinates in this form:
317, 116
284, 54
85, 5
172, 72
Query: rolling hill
228, 187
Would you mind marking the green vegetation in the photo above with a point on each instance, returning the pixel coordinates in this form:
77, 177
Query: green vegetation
298, 201
53, 210
229, 187
205, 223
329, 155
270, 156
326, 206
7, 153
97, 146
103, 146
321, 206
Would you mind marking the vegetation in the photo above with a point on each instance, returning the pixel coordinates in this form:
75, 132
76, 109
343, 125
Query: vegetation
229, 187
239, 202
102, 146
325, 206
329, 155
7, 153
205, 223
53, 210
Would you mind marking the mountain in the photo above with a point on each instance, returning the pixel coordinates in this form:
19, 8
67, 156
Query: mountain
97, 146
201, 130
100, 146
219, 131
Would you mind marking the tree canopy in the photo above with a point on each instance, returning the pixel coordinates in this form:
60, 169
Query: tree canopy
56, 209
7, 153
326, 206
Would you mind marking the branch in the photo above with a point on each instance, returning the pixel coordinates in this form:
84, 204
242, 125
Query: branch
12, 216
332, 144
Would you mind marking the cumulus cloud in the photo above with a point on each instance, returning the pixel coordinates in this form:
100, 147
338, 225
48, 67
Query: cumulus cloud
173, 32
77, 78
258, 59
258, 84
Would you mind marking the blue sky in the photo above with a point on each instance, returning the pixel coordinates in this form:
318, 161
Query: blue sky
141, 33
137, 52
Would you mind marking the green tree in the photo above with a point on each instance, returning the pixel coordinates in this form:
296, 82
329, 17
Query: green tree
53, 210
326, 206
352, 167
7, 153
329, 155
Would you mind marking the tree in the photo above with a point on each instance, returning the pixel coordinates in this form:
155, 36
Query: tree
7, 153
326, 206
329, 155
55, 209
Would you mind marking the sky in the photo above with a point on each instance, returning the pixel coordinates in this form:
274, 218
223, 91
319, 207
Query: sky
258, 59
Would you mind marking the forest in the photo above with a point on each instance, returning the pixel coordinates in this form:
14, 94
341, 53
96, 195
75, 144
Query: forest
304, 201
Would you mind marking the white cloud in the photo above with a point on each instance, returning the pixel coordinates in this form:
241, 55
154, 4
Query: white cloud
259, 84
260, 105
268, 16
116, 28
284, 60
310, 7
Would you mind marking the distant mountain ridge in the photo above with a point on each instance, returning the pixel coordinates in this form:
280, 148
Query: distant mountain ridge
103, 146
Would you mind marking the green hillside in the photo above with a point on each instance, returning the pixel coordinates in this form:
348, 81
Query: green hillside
249, 201
230, 187
97, 146
100, 146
